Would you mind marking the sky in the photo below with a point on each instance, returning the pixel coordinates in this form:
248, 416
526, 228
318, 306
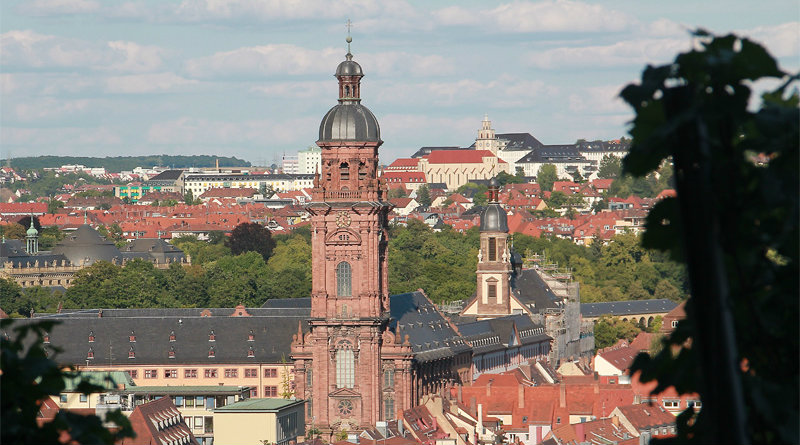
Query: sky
253, 78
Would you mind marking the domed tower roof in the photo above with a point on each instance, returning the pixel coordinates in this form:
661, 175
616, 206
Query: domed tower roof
349, 120
85, 244
32, 230
494, 217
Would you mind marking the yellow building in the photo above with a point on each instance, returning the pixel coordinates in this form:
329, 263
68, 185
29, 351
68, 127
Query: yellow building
259, 421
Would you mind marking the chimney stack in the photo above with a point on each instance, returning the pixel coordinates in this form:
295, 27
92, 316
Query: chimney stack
562, 395
489, 388
520, 396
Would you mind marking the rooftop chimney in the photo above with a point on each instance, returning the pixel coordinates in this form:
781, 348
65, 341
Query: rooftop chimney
562, 395
520, 396
489, 388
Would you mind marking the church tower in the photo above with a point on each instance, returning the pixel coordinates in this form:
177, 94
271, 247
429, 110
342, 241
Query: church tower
341, 365
494, 258
486, 140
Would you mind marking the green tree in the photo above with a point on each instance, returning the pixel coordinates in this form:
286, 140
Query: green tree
53, 205
610, 167
557, 200
738, 345
504, 178
11, 296
546, 177
29, 377
251, 237
609, 330
424, 195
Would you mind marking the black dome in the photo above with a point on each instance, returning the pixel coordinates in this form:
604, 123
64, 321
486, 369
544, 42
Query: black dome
349, 122
494, 219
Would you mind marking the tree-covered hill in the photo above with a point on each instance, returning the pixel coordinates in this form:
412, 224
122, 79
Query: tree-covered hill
120, 163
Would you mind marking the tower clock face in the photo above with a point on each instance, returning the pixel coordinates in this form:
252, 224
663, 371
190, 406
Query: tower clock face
343, 219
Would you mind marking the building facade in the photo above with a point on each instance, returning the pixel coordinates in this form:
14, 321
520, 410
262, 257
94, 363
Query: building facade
309, 161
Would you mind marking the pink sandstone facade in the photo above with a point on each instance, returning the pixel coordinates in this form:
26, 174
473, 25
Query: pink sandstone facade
350, 367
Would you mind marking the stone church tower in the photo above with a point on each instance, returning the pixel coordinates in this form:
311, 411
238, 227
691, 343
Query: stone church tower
487, 140
350, 367
494, 259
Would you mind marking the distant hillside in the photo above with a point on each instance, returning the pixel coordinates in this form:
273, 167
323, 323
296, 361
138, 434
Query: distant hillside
120, 163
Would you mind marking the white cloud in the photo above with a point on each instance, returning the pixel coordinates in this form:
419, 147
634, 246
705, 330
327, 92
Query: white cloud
58, 7
146, 83
305, 90
257, 61
50, 108
537, 17
598, 100
635, 52
46, 84
53, 140
781, 40
457, 16
291, 60
267, 10
263, 132
29, 49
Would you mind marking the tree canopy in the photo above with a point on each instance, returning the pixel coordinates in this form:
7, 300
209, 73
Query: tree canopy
251, 237
546, 177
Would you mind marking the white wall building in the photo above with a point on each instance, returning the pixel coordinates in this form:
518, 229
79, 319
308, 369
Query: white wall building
198, 184
309, 161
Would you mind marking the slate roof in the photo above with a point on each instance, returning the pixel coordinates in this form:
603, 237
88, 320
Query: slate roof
168, 175
496, 333
272, 330
86, 244
517, 141
430, 334
627, 307
554, 153
532, 291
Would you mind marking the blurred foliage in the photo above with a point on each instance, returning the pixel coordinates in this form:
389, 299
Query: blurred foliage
30, 377
736, 173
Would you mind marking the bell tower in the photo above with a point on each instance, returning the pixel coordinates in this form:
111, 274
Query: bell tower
494, 258
340, 364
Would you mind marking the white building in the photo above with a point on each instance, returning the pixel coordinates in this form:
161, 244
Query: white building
289, 165
198, 184
309, 161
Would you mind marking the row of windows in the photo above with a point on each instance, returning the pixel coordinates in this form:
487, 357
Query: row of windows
209, 373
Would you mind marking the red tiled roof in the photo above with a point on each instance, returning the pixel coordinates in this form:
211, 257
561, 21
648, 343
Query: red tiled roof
23, 207
404, 162
223, 192
644, 416
459, 156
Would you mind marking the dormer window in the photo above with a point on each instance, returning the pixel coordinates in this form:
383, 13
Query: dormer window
212, 336
172, 336
91, 336
171, 352
45, 339
211, 352
250, 352
132, 337
131, 353
251, 336
90, 354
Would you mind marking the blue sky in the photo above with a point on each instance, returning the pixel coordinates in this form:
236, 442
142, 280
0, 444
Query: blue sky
253, 78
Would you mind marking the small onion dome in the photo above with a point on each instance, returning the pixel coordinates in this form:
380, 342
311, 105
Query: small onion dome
349, 122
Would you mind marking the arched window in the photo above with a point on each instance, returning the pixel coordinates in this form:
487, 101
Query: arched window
343, 279
344, 171
346, 91
345, 366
